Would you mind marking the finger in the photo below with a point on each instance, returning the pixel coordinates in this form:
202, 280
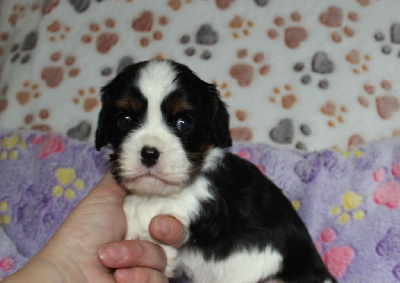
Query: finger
167, 230
108, 185
139, 275
127, 254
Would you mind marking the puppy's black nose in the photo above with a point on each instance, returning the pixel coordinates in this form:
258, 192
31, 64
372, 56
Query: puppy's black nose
150, 156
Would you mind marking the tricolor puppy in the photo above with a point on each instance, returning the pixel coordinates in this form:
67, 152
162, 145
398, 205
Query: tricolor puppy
169, 133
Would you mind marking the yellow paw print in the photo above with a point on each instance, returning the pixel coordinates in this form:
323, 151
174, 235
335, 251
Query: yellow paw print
356, 152
9, 147
68, 183
5, 218
296, 204
351, 201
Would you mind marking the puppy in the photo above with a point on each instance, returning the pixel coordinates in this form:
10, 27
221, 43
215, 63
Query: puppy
169, 133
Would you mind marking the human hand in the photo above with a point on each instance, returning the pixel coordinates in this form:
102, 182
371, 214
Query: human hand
80, 249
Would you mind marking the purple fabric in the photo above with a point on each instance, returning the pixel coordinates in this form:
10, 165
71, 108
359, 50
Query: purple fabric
348, 200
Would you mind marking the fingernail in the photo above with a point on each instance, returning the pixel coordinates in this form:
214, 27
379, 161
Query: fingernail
163, 226
113, 252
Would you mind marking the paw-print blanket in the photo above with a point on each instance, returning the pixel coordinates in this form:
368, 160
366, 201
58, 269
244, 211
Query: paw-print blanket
349, 200
318, 76
303, 74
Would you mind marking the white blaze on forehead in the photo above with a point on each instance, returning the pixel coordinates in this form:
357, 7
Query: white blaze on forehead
156, 81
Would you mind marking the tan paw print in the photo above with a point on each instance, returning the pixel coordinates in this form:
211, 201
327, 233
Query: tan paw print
240, 26
223, 88
57, 30
286, 98
29, 90
242, 132
358, 61
333, 19
334, 112
4, 36
294, 35
37, 122
18, 12
53, 75
385, 103
89, 98
145, 23
105, 37
244, 73
177, 4
3, 99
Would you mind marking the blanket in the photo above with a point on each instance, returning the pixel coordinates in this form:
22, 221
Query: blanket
349, 200
305, 74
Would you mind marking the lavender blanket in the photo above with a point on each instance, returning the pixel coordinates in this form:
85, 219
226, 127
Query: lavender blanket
348, 200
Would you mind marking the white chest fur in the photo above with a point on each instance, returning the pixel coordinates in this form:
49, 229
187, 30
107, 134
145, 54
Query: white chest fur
184, 206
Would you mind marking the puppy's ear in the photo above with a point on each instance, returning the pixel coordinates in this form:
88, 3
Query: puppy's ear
102, 122
220, 120
101, 131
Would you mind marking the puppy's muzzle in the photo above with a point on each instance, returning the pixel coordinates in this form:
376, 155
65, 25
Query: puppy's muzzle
150, 156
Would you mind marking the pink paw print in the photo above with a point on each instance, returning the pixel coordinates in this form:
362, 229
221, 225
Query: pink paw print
247, 155
337, 259
6, 264
388, 194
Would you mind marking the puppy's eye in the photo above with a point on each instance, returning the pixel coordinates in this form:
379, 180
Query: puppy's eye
124, 122
184, 124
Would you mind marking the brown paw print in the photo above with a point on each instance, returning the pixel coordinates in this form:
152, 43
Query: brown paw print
205, 36
294, 35
49, 5
321, 65
22, 51
145, 23
53, 75
3, 39
334, 112
394, 34
36, 122
241, 133
123, 62
359, 61
3, 99
177, 4
355, 140
223, 88
223, 4
57, 30
240, 26
18, 12
365, 3
385, 103
89, 97
333, 18
30, 90
244, 73
286, 97
104, 40
284, 132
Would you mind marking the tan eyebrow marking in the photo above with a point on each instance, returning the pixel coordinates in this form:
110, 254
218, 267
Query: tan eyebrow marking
129, 103
177, 105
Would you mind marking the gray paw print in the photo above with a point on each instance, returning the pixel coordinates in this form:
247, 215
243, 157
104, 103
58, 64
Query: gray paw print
284, 131
387, 48
320, 64
204, 36
123, 62
23, 52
